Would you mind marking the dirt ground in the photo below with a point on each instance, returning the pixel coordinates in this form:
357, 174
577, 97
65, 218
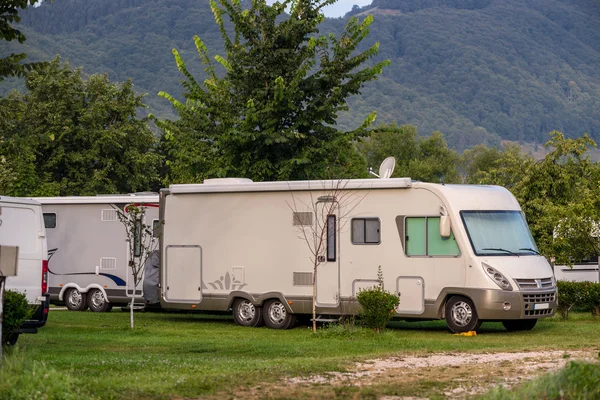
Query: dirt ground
447, 375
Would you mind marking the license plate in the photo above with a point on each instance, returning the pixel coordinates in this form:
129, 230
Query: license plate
541, 306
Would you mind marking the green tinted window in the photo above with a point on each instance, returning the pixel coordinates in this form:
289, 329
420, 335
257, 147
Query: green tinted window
436, 244
415, 236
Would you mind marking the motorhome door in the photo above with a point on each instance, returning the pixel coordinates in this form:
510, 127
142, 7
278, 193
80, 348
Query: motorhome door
328, 271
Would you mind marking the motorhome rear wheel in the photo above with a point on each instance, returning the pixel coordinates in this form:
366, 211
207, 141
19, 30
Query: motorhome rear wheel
276, 316
247, 314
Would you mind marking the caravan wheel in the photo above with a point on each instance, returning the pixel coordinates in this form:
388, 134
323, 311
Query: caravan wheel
97, 302
276, 316
247, 314
75, 300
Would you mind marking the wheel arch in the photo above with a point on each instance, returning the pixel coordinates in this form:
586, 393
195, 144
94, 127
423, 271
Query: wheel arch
82, 290
262, 299
446, 295
240, 295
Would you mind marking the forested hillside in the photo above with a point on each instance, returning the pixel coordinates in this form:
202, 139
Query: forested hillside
477, 70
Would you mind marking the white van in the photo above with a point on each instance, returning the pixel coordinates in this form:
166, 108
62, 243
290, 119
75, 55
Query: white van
22, 225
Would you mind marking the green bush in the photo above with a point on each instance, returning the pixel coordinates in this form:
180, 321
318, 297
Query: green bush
16, 310
377, 305
581, 295
591, 297
21, 379
569, 296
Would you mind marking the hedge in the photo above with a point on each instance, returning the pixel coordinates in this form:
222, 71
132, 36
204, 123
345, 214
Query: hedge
584, 296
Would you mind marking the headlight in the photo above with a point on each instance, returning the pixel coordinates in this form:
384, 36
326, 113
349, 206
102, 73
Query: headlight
497, 277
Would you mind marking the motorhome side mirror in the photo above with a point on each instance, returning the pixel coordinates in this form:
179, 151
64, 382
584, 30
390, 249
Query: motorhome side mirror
9, 260
445, 226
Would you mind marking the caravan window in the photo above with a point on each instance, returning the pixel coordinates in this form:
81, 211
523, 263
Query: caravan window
422, 238
331, 237
366, 231
50, 220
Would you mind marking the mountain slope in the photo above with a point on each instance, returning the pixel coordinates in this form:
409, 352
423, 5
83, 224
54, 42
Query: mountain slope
477, 70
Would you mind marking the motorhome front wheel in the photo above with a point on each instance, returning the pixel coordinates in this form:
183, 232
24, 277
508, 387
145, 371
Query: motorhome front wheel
461, 315
519, 324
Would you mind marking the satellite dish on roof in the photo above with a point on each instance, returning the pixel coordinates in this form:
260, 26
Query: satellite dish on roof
386, 169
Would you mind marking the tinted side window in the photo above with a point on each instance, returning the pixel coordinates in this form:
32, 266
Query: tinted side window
366, 231
50, 220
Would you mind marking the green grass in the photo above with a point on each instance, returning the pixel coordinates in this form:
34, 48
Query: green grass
577, 380
192, 355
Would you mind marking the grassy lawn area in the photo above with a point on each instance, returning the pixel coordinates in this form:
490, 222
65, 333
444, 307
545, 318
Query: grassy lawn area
197, 356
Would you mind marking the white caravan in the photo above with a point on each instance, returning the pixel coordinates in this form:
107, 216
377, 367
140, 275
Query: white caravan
88, 250
22, 225
459, 252
584, 272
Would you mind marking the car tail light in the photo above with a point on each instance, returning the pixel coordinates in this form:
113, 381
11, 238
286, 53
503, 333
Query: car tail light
44, 276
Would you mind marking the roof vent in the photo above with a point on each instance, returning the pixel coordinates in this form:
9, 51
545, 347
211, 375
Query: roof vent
226, 181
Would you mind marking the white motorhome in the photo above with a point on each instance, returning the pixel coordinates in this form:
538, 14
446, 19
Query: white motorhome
88, 249
22, 225
462, 253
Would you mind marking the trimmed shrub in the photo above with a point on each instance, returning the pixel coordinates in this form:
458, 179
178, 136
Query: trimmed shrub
591, 297
377, 305
581, 295
16, 310
569, 296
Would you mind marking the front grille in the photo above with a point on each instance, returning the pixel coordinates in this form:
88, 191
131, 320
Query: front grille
531, 299
534, 284
547, 311
539, 297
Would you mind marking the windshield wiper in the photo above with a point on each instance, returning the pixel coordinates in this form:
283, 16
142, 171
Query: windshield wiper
500, 249
531, 250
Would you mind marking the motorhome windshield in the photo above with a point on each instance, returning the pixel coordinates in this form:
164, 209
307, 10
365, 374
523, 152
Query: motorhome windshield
499, 233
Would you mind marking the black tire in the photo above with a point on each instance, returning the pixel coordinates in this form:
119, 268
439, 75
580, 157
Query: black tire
514, 325
96, 301
75, 300
245, 313
461, 315
12, 339
276, 316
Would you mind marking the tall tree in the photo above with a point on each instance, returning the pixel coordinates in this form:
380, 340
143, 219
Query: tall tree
559, 195
75, 136
12, 65
270, 114
9, 14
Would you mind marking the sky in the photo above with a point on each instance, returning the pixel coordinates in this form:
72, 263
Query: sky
339, 8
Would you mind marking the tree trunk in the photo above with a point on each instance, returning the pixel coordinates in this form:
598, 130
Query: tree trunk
314, 305
131, 310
